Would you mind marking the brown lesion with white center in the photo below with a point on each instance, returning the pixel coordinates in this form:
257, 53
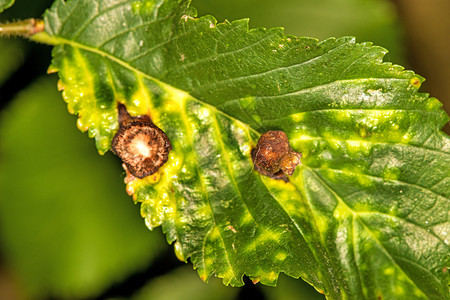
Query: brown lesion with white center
274, 157
142, 146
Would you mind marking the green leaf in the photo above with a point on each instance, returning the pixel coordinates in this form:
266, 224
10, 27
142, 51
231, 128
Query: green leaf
66, 227
364, 216
4, 4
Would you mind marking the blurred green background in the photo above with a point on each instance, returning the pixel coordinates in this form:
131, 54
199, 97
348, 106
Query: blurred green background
68, 230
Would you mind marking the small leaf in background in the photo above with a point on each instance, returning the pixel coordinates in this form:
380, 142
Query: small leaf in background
366, 213
182, 283
289, 288
67, 227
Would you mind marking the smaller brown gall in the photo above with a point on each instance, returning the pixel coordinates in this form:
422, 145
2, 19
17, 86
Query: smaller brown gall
274, 157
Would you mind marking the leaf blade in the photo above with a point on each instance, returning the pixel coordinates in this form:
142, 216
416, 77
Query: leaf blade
190, 78
4, 4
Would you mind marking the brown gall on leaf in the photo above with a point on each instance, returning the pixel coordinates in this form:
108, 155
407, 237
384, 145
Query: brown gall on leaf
142, 146
274, 157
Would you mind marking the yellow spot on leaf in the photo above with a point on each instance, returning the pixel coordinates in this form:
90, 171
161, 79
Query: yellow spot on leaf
143, 6
363, 132
406, 138
399, 290
341, 212
297, 118
215, 233
247, 103
365, 181
356, 147
141, 102
209, 262
281, 256
419, 293
257, 118
343, 115
268, 235
392, 173
271, 278
415, 82
204, 210
322, 223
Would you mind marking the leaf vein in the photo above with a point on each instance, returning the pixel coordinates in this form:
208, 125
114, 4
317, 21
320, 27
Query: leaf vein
131, 29
368, 212
233, 180
169, 40
354, 240
222, 54
266, 72
302, 138
313, 88
63, 24
379, 178
205, 195
78, 33
349, 66
266, 120
376, 240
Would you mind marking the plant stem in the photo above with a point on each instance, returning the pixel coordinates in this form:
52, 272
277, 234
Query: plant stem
23, 28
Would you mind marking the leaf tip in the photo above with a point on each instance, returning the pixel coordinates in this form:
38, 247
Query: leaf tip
179, 252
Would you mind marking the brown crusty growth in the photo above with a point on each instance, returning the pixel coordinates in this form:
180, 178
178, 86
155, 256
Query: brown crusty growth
141, 145
274, 157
